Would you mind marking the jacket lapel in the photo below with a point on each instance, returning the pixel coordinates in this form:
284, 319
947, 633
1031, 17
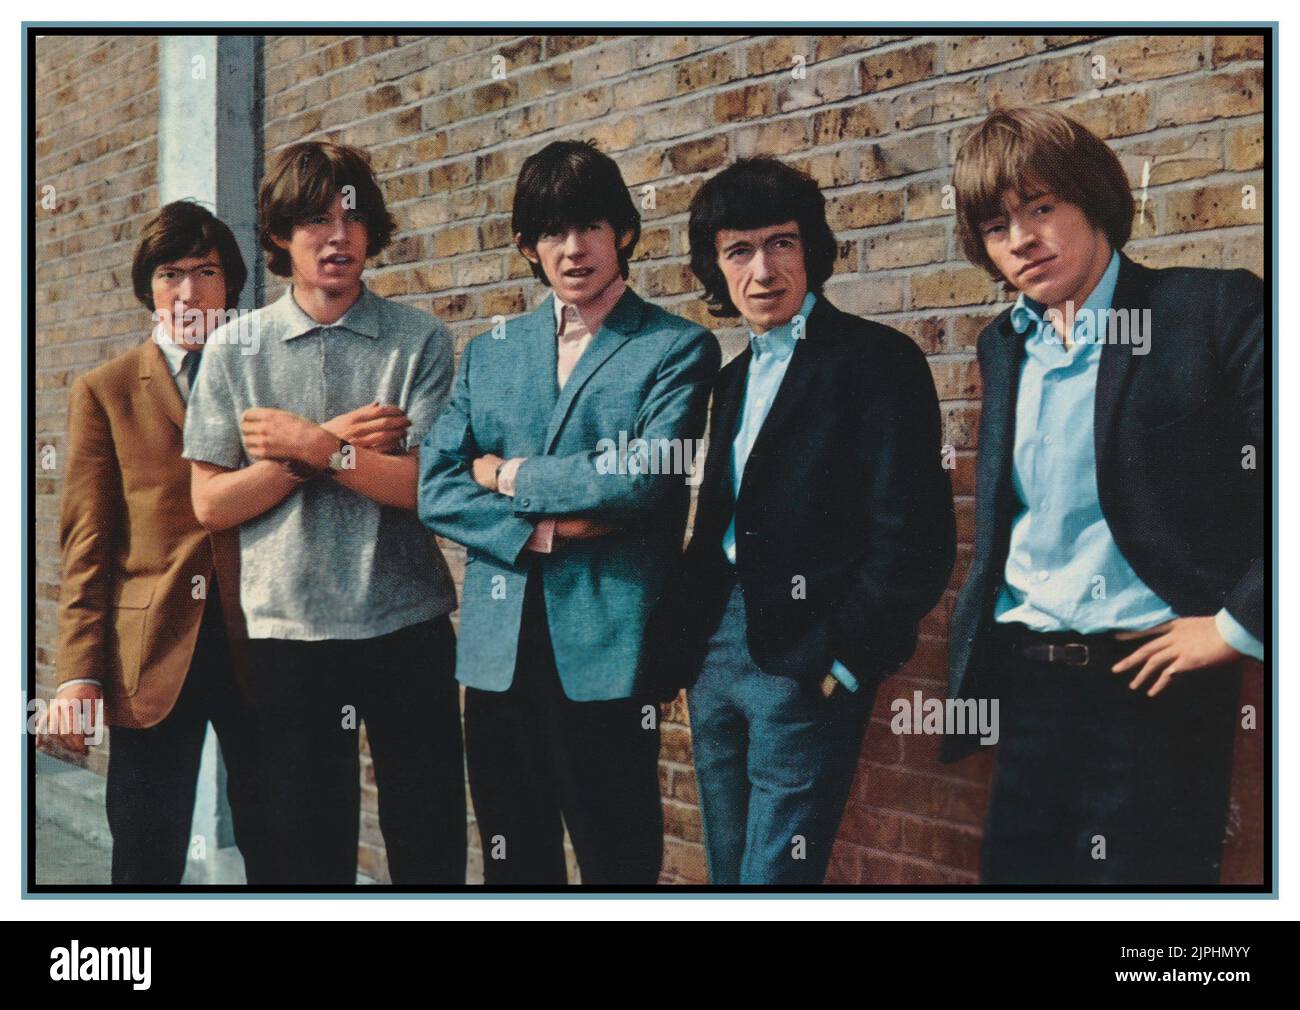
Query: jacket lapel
728, 392
1132, 295
158, 382
538, 364
800, 375
1003, 358
624, 320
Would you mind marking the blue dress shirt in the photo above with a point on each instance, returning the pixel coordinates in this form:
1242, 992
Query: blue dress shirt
1064, 571
770, 357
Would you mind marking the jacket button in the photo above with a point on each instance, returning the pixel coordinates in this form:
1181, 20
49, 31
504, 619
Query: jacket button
524, 503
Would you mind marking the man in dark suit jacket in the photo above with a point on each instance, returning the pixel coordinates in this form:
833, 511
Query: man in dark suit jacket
824, 531
1118, 574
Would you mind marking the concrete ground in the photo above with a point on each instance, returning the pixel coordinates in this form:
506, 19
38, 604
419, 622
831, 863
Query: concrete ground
73, 844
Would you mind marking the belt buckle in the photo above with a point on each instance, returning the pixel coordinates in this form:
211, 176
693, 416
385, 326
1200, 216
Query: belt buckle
1071, 654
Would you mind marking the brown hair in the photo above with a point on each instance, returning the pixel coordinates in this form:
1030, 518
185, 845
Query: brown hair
180, 230
303, 181
1037, 150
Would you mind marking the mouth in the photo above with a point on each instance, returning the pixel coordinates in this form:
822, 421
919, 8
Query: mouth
1034, 267
578, 273
338, 260
766, 297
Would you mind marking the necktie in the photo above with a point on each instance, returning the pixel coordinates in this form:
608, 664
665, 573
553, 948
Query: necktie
189, 372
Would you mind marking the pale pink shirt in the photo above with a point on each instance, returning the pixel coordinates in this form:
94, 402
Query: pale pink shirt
574, 330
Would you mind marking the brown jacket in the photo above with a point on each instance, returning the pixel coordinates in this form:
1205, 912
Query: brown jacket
132, 548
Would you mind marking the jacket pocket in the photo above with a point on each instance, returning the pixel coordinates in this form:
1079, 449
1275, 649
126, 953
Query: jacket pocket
130, 615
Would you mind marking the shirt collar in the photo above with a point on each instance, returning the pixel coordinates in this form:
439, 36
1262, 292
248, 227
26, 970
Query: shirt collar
362, 317
173, 353
780, 340
1026, 311
597, 312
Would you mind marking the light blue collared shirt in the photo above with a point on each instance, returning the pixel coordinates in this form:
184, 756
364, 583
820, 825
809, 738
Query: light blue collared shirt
771, 353
1064, 571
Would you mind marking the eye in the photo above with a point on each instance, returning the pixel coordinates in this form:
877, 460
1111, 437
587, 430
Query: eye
990, 229
1043, 208
357, 215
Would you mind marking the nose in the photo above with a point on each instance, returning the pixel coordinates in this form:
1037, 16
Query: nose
1022, 238
184, 288
760, 267
573, 244
338, 230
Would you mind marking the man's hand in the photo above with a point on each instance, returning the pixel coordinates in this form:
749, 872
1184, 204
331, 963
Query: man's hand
484, 470
380, 427
581, 529
1176, 647
70, 717
270, 433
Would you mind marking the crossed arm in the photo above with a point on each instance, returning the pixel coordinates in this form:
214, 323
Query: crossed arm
460, 498
289, 450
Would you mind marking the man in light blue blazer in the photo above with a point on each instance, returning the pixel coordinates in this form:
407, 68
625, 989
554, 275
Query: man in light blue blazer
562, 464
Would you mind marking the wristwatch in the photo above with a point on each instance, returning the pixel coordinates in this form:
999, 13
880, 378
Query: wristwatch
338, 459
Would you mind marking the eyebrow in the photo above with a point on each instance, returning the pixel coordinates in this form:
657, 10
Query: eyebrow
1026, 198
744, 241
210, 261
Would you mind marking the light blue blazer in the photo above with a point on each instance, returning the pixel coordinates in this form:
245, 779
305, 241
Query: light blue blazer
646, 374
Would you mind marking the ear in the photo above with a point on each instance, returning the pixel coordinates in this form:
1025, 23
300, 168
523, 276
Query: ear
529, 252
282, 243
625, 240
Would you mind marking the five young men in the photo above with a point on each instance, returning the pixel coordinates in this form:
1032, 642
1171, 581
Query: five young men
1107, 603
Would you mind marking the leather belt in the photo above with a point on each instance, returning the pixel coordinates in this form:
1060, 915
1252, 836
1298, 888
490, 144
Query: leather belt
1064, 648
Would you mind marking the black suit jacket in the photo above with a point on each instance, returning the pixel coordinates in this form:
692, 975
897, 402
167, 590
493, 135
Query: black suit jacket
1170, 431
845, 488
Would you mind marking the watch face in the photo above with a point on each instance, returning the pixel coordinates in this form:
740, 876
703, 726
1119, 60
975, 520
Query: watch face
336, 461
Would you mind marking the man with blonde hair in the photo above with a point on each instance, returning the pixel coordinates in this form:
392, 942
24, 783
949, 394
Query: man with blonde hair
1118, 574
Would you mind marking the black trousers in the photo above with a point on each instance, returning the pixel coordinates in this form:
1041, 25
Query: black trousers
152, 772
310, 699
539, 761
1099, 785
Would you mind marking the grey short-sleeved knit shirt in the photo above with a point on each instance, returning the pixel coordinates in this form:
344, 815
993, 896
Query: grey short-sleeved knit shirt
327, 562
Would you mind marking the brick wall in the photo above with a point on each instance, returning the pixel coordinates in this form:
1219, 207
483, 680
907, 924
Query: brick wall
876, 119
97, 146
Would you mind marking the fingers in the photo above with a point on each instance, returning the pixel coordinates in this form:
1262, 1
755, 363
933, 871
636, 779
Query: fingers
384, 427
376, 410
74, 742
1153, 666
63, 727
1159, 629
1141, 654
1166, 678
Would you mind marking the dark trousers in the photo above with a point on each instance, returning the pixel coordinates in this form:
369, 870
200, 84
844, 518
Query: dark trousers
310, 699
1099, 785
539, 761
152, 772
774, 762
